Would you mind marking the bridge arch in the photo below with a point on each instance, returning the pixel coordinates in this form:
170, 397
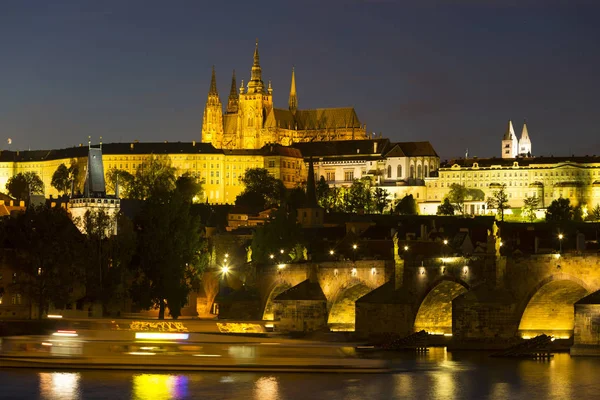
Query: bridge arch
548, 308
342, 308
434, 313
275, 290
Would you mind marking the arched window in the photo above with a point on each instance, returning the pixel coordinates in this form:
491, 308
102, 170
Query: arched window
419, 172
389, 171
399, 171
426, 171
412, 172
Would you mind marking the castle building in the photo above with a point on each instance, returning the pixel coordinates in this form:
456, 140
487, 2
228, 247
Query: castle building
547, 178
219, 169
251, 120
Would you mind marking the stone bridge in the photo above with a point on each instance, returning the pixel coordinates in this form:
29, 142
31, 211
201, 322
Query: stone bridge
476, 298
481, 298
342, 283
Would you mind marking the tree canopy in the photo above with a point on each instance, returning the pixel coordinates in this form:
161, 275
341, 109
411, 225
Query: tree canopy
559, 210
445, 208
282, 232
21, 185
262, 190
154, 177
499, 201
381, 199
171, 251
124, 179
48, 249
457, 196
530, 204
407, 206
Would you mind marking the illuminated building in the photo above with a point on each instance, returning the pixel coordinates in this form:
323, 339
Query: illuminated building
219, 169
251, 120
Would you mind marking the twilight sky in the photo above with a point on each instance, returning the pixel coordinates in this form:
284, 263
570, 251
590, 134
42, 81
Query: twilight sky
449, 71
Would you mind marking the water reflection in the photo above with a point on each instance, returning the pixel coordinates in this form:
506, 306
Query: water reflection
160, 386
59, 385
266, 388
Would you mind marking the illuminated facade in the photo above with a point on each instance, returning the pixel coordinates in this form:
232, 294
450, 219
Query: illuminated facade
219, 169
251, 120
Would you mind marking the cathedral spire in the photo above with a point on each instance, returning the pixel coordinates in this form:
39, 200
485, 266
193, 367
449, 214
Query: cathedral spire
510, 132
213, 84
525, 142
233, 102
293, 101
256, 84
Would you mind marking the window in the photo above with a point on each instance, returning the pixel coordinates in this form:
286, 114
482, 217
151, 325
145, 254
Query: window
348, 176
330, 176
412, 172
271, 163
389, 171
419, 172
426, 169
399, 171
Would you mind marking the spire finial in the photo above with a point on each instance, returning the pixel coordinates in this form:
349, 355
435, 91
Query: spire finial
293, 100
256, 85
89, 142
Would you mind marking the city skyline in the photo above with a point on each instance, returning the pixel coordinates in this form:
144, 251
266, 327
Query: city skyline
143, 73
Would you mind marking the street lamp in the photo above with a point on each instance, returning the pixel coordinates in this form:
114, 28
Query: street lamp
281, 251
271, 256
331, 252
354, 247
405, 248
560, 238
225, 269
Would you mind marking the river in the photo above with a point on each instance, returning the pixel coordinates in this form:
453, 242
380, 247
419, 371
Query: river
435, 375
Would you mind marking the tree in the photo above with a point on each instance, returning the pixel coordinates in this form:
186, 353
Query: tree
358, 198
295, 197
594, 214
407, 206
171, 252
189, 187
282, 232
530, 204
259, 183
323, 193
380, 199
21, 185
499, 201
124, 180
559, 210
61, 179
457, 197
445, 208
154, 177
48, 248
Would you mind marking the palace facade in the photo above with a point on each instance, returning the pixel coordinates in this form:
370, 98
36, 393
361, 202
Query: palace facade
251, 120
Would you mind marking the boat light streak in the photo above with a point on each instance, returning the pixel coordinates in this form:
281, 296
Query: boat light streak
141, 353
54, 316
65, 333
162, 335
46, 344
207, 355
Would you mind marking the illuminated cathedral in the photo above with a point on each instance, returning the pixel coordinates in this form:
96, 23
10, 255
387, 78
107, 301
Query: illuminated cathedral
250, 120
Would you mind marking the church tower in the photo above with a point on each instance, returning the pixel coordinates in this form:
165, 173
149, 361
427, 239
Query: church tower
293, 101
234, 100
525, 142
254, 105
510, 144
212, 122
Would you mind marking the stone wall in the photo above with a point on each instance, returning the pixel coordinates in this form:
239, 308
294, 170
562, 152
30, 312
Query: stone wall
300, 315
374, 319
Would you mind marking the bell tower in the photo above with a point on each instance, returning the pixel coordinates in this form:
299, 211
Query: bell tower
254, 105
212, 122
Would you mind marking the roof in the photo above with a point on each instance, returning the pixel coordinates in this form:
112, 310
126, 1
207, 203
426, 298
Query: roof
111, 148
411, 149
345, 148
522, 161
319, 118
306, 290
593, 298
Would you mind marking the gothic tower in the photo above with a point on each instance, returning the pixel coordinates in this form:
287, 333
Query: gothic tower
525, 142
254, 105
293, 101
510, 144
212, 122
234, 100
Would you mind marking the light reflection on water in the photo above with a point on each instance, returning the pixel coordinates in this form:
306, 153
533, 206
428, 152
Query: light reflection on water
434, 375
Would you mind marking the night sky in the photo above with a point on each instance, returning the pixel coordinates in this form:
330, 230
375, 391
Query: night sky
449, 71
